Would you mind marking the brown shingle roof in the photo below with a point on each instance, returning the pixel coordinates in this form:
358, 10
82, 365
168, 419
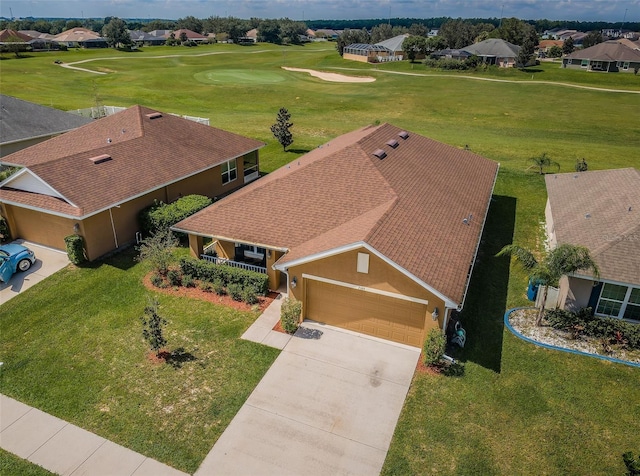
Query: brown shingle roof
409, 206
607, 51
146, 154
600, 210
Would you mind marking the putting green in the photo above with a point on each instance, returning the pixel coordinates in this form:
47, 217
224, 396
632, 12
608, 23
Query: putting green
238, 76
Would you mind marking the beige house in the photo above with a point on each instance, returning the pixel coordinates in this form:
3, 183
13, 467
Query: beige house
377, 231
600, 210
94, 180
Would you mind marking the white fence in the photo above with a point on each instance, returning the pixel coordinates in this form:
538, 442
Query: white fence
104, 111
235, 264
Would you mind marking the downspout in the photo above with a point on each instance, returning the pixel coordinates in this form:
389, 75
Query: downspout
113, 227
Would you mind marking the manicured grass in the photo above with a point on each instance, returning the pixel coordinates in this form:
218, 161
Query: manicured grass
518, 409
11, 464
73, 347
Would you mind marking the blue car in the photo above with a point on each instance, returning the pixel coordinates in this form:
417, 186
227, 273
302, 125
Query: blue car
14, 258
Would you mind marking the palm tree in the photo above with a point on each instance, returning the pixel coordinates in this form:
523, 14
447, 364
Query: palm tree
542, 161
562, 260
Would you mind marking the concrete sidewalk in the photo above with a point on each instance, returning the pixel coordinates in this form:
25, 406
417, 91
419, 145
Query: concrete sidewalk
66, 449
261, 331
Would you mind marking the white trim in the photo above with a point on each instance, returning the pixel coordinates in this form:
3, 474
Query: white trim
361, 244
228, 172
475, 255
26, 171
366, 289
113, 227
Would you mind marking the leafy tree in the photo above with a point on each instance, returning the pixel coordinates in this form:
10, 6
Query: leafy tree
516, 31
414, 45
183, 37
116, 33
542, 162
281, 128
418, 29
15, 45
568, 46
190, 23
555, 51
564, 259
592, 38
158, 250
159, 25
436, 43
381, 32
349, 37
72, 24
269, 32
527, 49
153, 325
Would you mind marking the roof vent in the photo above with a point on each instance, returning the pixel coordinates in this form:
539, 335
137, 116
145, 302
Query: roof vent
379, 153
100, 158
403, 134
154, 115
392, 143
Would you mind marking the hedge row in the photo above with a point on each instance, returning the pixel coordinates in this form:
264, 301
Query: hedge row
583, 322
227, 275
160, 216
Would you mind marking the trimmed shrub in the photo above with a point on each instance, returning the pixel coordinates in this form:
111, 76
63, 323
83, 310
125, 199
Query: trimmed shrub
290, 315
75, 249
188, 281
208, 271
584, 323
206, 287
249, 295
4, 230
235, 291
161, 216
218, 287
434, 346
157, 281
174, 278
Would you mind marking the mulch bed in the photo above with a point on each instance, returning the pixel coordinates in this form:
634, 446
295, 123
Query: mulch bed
197, 293
421, 368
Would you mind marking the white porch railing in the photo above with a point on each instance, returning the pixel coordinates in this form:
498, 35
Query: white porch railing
235, 264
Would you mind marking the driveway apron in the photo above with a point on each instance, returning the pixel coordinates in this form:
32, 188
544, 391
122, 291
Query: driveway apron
329, 404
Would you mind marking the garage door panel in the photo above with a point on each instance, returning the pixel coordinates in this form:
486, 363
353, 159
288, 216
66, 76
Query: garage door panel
369, 313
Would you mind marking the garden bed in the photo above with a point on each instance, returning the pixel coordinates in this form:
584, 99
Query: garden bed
523, 321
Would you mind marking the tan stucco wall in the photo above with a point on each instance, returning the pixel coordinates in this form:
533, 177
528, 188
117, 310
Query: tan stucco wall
352, 57
226, 249
6, 149
574, 293
382, 276
38, 227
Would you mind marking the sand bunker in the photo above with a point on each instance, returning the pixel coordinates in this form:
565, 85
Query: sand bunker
333, 77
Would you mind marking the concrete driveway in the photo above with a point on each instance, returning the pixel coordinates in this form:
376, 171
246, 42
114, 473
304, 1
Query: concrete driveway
48, 261
329, 404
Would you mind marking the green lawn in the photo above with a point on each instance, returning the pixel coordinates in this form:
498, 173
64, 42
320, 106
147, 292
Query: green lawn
518, 409
11, 465
72, 347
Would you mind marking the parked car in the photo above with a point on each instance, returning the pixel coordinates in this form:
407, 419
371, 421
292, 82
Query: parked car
14, 258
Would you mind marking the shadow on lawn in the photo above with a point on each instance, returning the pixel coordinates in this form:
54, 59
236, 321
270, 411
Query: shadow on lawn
178, 357
482, 316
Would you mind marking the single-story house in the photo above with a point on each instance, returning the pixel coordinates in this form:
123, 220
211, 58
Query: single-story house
191, 35
41, 41
395, 44
609, 56
450, 53
600, 210
495, 51
379, 233
366, 53
545, 45
94, 180
23, 123
141, 38
12, 40
81, 37
161, 33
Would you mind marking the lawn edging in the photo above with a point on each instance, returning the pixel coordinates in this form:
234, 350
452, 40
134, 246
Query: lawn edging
553, 347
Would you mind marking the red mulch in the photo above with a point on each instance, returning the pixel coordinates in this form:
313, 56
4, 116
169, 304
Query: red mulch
278, 328
197, 293
159, 358
421, 368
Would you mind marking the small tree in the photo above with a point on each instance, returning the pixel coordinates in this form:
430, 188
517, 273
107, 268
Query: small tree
116, 33
413, 46
158, 250
290, 315
281, 128
568, 46
183, 37
555, 51
581, 165
562, 260
542, 162
153, 325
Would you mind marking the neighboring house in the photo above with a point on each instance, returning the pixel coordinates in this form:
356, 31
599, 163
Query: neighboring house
379, 232
12, 40
387, 50
545, 45
81, 37
249, 37
161, 33
327, 33
23, 124
599, 210
609, 56
433, 32
93, 181
495, 51
449, 53
141, 38
191, 35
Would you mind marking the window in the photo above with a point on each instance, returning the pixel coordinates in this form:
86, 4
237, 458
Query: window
619, 301
250, 167
569, 61
584, 63
229, 171
625, 66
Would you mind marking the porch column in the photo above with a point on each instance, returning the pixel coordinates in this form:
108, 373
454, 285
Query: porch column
196, 245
